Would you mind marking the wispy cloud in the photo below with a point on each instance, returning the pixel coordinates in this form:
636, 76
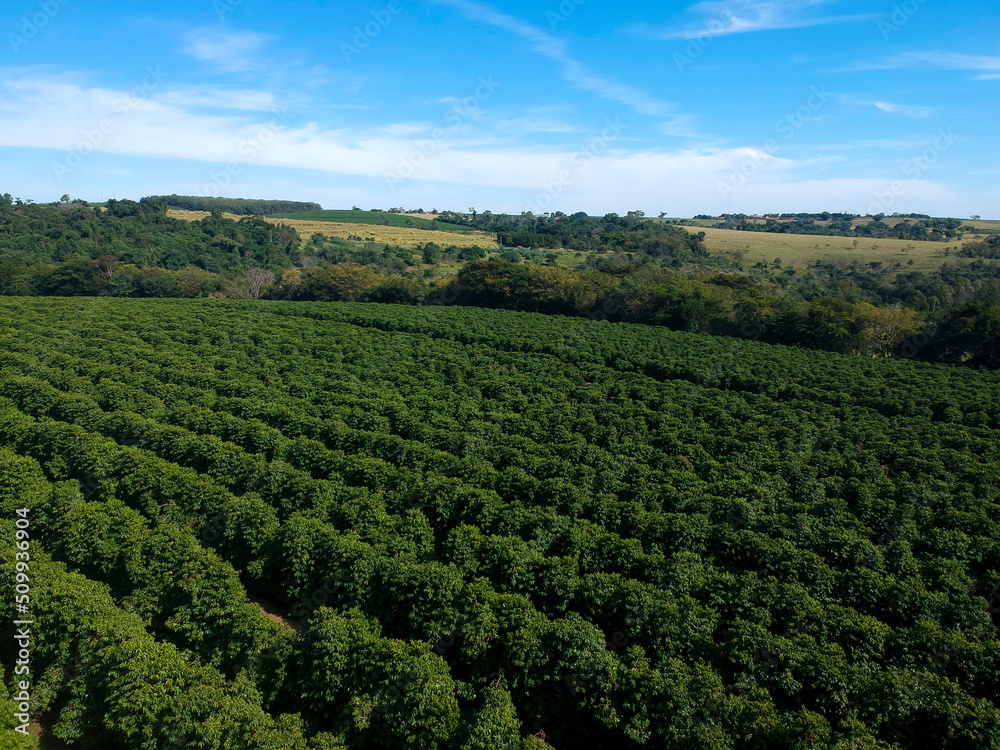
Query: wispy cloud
574, 72
933, 60
30, 118
880, 144
548, 119
204, 96
229, 52
903, 110
906, 110
723, 17
40, 113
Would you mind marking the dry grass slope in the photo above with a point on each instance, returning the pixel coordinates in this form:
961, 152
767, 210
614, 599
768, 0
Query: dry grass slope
797, 249
402, 236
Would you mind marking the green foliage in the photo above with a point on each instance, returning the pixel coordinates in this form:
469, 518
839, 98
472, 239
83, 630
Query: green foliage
128, 249
10, 737
487, 528
240, 206
495, 726
370, 217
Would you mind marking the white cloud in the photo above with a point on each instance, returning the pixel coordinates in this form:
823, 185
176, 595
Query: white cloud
536, 122
934, 60
904, 110
60, 114
229, 52
724, 17
203, 96
881, 144
572, 70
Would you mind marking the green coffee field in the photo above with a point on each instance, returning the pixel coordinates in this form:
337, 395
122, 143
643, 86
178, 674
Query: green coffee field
334, 525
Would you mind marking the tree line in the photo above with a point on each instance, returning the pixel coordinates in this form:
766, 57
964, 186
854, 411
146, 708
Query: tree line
239, 206
939, 230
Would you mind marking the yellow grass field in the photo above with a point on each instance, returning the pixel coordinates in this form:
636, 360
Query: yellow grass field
797, 249
401, 236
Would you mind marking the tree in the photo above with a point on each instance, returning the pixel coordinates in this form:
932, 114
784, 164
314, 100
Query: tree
197, 282
495, 726
431, 253
345, 281
885, 328
105, 268
257, 279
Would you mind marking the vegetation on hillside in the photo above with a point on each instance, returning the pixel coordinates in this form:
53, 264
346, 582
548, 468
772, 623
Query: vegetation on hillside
940, 230
623, 269
379, 218
240, 206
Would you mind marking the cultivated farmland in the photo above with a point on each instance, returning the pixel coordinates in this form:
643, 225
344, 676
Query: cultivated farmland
470, 524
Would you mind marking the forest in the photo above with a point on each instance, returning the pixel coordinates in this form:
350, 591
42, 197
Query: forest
280, 524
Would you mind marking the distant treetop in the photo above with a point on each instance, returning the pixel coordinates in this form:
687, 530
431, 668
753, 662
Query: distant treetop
240, 206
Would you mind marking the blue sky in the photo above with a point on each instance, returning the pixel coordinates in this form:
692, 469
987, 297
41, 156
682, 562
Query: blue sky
570, 105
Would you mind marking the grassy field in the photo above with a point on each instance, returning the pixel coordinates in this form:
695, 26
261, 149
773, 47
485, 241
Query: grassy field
403, 236
394, 235
991, 226
797, 249
370, 217
982, 224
